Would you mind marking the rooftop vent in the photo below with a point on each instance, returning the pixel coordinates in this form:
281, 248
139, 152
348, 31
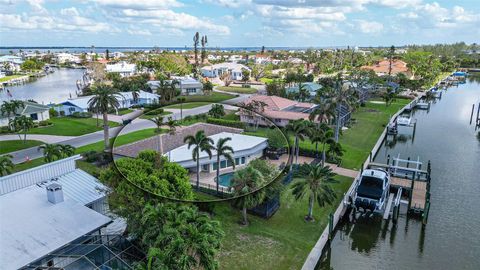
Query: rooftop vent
55, 193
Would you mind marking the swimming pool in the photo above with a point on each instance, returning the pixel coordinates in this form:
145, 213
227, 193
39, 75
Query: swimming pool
225, 179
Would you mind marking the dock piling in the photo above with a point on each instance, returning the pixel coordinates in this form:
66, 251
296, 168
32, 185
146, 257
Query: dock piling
471, 114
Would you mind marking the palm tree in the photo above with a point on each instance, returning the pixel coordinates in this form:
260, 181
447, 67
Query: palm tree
51, 152
298, 128
323, 111
181, 100
158, 120
201, 143
21, 124
246, 186
335, 151
342, 96
303, 94
225, 151
316, 185
172, 125
6, 165
66, 150
322, 134
105, 97
10, 108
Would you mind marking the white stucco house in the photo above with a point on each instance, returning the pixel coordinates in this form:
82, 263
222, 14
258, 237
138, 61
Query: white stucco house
37, 112
10, 63
187, 85
234, 69
245, 147
126, 100
63, 58
123, 68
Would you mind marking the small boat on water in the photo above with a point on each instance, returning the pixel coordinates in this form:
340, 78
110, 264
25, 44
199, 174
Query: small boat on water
422, 105
372, 191
404, 120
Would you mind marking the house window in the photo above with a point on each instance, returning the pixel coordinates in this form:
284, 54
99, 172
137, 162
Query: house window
205, 167
71, 109
243, 160
223, 164
34, 116
229, 163
191, 90
237, 161
215, 166
278, 120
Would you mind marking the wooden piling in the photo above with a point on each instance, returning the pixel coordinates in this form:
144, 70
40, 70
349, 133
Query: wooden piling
330, 226
471, 114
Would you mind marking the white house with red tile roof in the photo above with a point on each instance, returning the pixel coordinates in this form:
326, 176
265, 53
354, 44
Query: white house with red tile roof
279, 110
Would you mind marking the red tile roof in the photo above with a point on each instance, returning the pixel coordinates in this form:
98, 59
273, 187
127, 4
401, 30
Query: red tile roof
398, 66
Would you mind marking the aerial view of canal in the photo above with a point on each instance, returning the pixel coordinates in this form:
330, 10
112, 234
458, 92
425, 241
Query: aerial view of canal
53, 88
451, 239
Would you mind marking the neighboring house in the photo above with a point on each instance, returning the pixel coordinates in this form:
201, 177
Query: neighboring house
381, 68
125, 99
37, 112
63, 58
10, 63
187, 85
262, 59
279, 110
311, 87
245, 147
123, 68
47, 208
234, 69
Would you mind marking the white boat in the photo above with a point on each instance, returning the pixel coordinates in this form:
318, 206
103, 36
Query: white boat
372, 191
404, 120
422, 105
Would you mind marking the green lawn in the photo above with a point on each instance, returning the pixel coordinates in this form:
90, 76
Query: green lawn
188, 105
6, 78
148, 116
213, 97
124, 111
15, 145
70, 126
266, 80
281, 242
27, 165
238, 89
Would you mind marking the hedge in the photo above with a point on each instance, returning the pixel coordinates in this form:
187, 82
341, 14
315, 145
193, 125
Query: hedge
227, 123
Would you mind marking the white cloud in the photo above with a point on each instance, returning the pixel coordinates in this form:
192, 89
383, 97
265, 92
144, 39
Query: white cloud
140, 4
369, 27
72, 11
168, 19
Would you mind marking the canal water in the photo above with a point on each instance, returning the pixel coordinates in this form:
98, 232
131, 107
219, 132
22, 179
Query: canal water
451, 239
54, 88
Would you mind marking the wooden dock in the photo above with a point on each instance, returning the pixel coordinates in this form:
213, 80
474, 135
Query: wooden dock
418, 194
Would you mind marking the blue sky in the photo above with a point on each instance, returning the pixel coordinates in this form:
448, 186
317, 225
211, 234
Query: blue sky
301, 23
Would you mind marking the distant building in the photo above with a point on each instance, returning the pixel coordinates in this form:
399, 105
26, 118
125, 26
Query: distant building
381, 68
123, 68
37, 112
262, 59
126, 100
63, 58
187, 85
45, 208
311, 87
10, 63
279, 110
234, 69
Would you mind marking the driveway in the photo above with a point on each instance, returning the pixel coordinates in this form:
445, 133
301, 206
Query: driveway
120, 118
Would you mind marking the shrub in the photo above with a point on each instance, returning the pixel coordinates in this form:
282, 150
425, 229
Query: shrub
52, 112
4, 129
227, 123
82, 114
44, 123
91, 156
276, 139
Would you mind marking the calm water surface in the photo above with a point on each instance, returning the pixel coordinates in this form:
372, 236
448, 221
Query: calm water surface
451, 240
53, 88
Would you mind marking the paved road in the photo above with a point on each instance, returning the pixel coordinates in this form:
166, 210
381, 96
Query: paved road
37, 137
136, 124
